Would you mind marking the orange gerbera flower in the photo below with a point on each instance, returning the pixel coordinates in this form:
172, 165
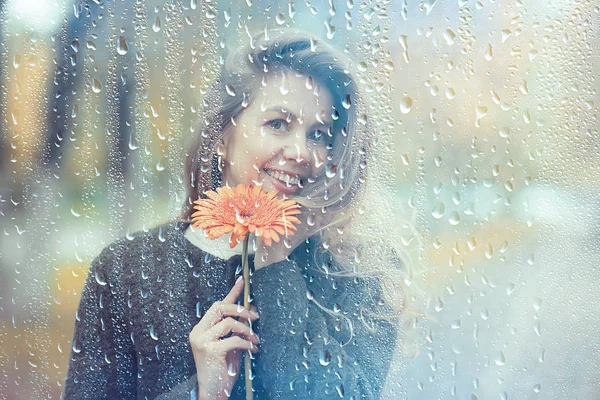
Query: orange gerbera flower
245, 209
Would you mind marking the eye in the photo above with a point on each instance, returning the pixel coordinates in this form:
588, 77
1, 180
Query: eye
279, 125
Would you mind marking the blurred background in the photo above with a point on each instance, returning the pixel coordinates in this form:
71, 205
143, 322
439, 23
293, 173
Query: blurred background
487, 110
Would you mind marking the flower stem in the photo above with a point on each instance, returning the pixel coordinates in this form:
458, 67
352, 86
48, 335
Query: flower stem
247, 359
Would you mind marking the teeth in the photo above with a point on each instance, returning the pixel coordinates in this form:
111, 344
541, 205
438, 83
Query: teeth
290, 180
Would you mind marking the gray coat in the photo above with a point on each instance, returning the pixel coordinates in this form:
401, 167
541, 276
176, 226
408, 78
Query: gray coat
143, 296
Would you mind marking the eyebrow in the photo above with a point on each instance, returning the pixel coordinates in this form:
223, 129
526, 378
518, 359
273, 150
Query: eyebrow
286, 112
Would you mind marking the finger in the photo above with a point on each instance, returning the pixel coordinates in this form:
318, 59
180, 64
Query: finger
228, 325
235, 291
234, 343
220, 310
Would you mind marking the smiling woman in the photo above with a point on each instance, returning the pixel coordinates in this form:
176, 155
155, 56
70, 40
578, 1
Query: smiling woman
284, 121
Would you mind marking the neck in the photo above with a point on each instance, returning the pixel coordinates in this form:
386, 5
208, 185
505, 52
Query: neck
218, 247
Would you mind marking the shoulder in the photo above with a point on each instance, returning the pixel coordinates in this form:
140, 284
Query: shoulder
139, 247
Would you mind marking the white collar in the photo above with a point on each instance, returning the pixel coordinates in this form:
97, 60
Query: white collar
217, 247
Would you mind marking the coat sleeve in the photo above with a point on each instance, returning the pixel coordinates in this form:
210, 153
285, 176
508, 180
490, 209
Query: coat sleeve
300, 355
103, 359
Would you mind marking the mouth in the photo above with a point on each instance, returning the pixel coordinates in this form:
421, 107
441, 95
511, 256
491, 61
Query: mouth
284, 181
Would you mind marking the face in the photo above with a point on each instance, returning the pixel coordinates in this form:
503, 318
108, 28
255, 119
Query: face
284, 136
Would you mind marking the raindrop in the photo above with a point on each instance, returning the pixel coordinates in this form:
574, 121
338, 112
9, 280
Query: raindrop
284, 87
347, 102
429, 4
324, 357
455, 324
449, 36
99, 279
511, 288
330, 29
480, 112
231, 370
280, 19
76, 347
530, 259
489, 52
485, 314
532, 54
230, 90
439, 304
500, 361
541, 354
156, 26
523, 87
406, 105
438, 210
96, 86
389, 66
153, 334
471, 243
489, 251
450, 93
330, 170
122, 48
404, 43
210, 14
454, 218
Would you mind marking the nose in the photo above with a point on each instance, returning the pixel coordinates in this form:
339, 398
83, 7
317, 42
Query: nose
296, 148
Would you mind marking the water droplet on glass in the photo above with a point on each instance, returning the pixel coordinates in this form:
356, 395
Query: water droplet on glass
230, 90
96, 86
330, 29
501, 360
449, 36
489, 52
347, 102
153, 334
406, 105
324, 358
480, 112
122, 48
280, 19
438, 210
439, 304
156, 26
454, 218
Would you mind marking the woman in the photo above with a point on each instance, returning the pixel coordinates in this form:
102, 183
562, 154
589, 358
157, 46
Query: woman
158, 316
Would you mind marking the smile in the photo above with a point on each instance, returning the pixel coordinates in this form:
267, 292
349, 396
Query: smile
284, 177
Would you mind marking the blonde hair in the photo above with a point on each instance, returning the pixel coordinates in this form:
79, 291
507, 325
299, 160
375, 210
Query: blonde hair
339, 193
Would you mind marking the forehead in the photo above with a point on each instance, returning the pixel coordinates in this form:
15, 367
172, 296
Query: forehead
294, 91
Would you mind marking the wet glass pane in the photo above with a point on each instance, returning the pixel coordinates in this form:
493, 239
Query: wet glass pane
443, 155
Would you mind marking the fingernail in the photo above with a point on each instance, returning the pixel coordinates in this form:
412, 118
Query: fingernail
239, 279
254, 314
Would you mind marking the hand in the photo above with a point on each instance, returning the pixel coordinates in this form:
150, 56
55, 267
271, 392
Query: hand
218, 360
278, 251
